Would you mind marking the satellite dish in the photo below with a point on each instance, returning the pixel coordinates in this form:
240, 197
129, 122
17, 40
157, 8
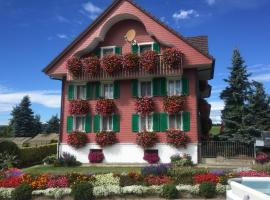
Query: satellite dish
130, 35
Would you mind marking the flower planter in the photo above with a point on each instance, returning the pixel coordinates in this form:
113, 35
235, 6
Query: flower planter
172, 57
130, 62
177, 138
95, 156
174, 104
74, 66
105, 106
151, 156
91, 65
145, 105
106, 138
77, 139
149, 61
78, 107
111, 64
147, 139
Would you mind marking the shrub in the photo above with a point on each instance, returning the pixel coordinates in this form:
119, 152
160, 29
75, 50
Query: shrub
49, 160
144, 105
157, 180
207, 190
66, 160
183, 160
174, 104
91, 65
105, 106
82, 191
262, 167
7, 160
130, 61
34, 155
77, 139
111, 64
262, 158
149, 60
106, 138
200, 178
169, 191
147, 139
74, 66
22, 192
10, 147
151, 156
95, 156
78, 107
158, 170
177, 138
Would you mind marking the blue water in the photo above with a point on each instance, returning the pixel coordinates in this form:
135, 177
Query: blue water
261, 186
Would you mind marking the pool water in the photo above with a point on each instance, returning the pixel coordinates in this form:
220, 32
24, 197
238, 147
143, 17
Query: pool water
261, 186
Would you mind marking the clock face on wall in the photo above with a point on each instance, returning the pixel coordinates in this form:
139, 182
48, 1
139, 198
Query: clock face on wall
130, 35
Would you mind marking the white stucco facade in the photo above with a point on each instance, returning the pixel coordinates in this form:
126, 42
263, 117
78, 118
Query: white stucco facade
129, 153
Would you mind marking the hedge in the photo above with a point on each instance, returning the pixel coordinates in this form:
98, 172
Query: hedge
34, 155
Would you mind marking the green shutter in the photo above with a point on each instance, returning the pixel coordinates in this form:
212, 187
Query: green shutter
135, 48
88, 123
163, 86
118, 50
186, 121
97, 95
156, 87
156, 122
70, 92
185, 86
116, 123
97, 52
116, 90
134, 88
156, 47
89, 90
69, 124
96, 123
163, 119
135, 123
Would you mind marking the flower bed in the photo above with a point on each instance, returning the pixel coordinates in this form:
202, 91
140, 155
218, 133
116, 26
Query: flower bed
90, 65
77, 139
111, 64
106, 138
130, 61
145, 105
95, 156
149, 61
253, 173
147, 139
174, 104
157, 180
78, 107
105, 106
172, 57
208, 177
74, 66
177, 138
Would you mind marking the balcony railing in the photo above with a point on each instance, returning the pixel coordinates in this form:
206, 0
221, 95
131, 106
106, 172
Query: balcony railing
160, 70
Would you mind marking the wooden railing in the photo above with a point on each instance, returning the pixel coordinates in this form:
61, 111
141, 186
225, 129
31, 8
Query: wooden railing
160, 70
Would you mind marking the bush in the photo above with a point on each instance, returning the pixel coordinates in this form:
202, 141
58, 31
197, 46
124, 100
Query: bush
49, 160
262, 168
66, 160
169, 191
22, 192
181, 160
34, 155
82, 191
132, 178
7, 160
157, 170
10, 147
207, 190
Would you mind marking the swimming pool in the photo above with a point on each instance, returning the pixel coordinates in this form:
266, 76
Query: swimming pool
249, 188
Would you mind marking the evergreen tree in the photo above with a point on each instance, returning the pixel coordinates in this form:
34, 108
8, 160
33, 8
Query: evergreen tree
53, 125
38, 127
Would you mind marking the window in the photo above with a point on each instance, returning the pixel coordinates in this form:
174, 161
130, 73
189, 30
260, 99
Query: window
175, 121
80, 92
143, 47
174, 87
107, 123
145, 89
146, 123
107, 51
79, 123
108, 90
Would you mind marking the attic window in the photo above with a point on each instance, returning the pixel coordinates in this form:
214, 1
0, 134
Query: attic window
143, 47
110, 50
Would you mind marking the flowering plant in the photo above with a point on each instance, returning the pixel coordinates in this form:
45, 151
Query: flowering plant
74, 66
13, 172
149, 60
95, 156
130, 61
9, 182
76, 178
78, 107
157, 180
106, 138
147, 139
111, 64
90, 65
177, 138
253, 173
262, 158
159, 169
151, 157
200, 178
181, 160
174, 104
172, 57
77, 139
58, 182
105, 106
144, 105
40, 182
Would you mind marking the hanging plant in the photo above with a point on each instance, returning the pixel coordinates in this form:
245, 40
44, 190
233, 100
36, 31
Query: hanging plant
144, 105
130, 61
147, 139
105, 106
77, 139
91, 65
172, 57
177, 138
74, 66
149, 60
111, 64
78, 107
106, 138
95, 156
174, 104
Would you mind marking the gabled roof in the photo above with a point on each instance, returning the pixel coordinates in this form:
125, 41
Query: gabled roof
191, 41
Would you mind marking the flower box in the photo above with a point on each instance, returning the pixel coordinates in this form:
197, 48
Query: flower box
174, 104
130, 61
149, 61
144, 105
172, 57
105, 106
91, 65
177, 138
147, 139
78, 107
74, 66
77, 139
95, 156
106, 138
111, 64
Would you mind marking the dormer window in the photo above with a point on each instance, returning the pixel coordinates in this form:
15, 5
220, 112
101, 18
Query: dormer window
110, 50
143, 47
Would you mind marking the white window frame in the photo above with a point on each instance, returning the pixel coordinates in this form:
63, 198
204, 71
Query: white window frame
106, 47
101, 123
140, 123
75, 91
181, 119
139, 86
174, 79
75, 123
102, 91
145, 43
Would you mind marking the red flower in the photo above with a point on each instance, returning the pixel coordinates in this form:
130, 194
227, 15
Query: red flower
58, 182
74, 66
208, 177
174, 104
130, 61
78, 107
11, 182
147, 139
157, 180
95, 156
177, 138
106, 138
77, 139
91, 65
262, 158
111, 64
149, 60
144, 105
151, 157
105, 106
172, 57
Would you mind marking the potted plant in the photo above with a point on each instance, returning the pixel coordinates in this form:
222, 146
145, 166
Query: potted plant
174, 104
74, 66
147, 139
130, 61
172, 57
111, 64
177, 138
149, 60
77, 139
105, 106
144, 105
90, 65
78, 107
95, 156
106, 138
151, 156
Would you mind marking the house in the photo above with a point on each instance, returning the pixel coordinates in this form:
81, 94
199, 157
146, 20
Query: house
124, 28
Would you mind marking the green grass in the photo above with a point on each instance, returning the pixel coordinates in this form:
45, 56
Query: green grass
39, 169
215, 130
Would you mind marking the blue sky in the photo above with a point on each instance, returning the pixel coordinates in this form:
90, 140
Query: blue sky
34, 32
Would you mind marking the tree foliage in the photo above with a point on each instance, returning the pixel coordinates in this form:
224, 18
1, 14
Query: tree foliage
53, 125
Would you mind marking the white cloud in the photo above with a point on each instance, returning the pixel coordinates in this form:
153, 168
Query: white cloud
259, 68
91, 10
185, 14
216, 107
210, 2
261, 77
62, 19
62, 36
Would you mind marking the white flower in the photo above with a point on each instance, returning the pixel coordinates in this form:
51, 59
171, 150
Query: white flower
5, 193
104, 191
221, 189
106, 179
193, 189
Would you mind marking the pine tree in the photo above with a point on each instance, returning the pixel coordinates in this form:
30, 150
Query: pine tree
53, 125
38, 127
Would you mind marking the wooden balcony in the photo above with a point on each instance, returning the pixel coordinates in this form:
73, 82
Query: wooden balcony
161, 70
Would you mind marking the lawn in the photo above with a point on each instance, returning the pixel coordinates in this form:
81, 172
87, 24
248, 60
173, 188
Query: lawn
39, 169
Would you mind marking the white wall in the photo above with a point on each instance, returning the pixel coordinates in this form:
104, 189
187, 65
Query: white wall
129, 153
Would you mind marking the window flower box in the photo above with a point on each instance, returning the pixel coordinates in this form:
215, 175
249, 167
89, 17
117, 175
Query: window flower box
105, 106
111, 64
177, 138
96, 156
147, 139
130, 61
174, 104
77, 139
172, 57
144, 105
74, 66
149, 61
78, 107
90, 65
106, 138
